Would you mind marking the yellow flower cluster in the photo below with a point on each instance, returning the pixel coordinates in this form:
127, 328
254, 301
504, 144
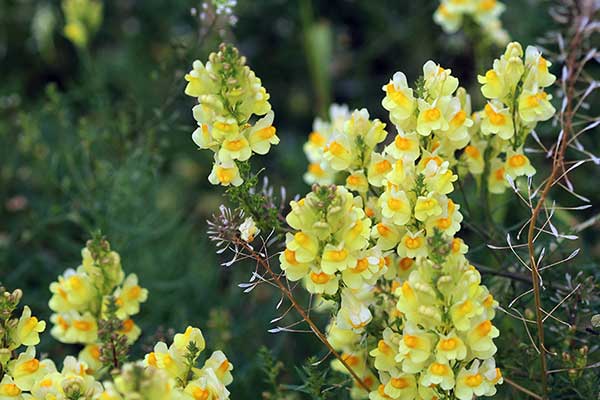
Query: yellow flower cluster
178, 361
451, 15
229, 95
168, 373
318, 170
517, 101
82, 20
330, 242
80, 298
411, 307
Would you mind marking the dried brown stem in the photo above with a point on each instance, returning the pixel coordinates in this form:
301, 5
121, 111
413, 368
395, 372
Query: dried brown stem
522, 389
264, 263
571, 63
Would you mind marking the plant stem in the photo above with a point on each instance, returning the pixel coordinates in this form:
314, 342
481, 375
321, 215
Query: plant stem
522, 389
299, 309
567, 115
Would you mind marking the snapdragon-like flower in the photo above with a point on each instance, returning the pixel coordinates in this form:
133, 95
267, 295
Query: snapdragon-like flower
177, 363
319, 170
80, 297
407, 291
451, 15
330, 241
517, 101
168, 373
230, 100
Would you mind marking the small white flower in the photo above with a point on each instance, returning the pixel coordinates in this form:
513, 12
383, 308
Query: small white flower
248, 229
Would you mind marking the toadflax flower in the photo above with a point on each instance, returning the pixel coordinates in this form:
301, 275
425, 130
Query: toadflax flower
385, 240
517, 102
230, 101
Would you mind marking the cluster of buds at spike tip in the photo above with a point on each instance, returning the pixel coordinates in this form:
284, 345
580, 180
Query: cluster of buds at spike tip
81, 298
413, 320
517, 101
230, 100
451, 16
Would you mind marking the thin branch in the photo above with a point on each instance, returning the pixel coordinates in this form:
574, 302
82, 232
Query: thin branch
522, 389
567, 115
299, 309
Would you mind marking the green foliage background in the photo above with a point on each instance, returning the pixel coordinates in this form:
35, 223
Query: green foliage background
100, 139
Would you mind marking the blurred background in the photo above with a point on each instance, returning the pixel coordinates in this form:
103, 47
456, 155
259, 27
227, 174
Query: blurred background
99, 137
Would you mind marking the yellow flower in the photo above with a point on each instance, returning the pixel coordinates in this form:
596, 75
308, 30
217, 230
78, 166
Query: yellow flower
412, 245
166, 359
225, 173
357, 181
320, 174
449, 20
492, 376
479, 339
26, 369
336, 258
338, 152
450, 347
399, 100
198, 80
458, 122
439, 81
9, 389
517, 164
493, 85
497, 182
262, 134
304, 245
219, 363
497, 119
294, 270
404, 147
379, 167
395, 206
415, 348
463, 312
341, 338
386, 351
353, 314
470, 382
27, 330
207, 386
320, 282
129, 296
473, 156
534, 106
386, 234
90, 355
182, 340
73, 291
235, 147
366, 271
538, 68
356, 234
427, 206
438, 373
431, 116
401, 386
